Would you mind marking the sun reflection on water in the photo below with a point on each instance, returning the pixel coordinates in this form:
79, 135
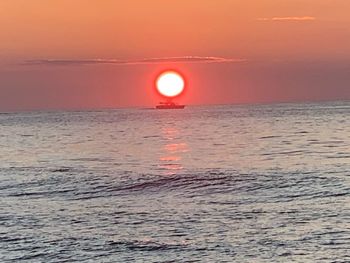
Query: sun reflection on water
172, 151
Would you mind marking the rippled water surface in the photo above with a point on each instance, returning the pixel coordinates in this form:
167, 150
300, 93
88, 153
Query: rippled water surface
268, 183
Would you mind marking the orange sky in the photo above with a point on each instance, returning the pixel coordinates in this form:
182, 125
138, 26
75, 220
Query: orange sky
290, 50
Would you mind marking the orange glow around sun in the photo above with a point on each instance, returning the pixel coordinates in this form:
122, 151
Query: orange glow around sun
170, 84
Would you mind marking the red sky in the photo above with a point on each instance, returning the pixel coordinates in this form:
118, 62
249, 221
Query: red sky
70, 54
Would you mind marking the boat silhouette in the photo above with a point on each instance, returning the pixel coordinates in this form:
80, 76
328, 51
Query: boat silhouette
169, 105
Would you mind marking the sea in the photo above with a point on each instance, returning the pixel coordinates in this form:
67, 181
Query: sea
227, 183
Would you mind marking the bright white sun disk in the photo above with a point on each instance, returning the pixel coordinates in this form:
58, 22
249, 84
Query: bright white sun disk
170, 84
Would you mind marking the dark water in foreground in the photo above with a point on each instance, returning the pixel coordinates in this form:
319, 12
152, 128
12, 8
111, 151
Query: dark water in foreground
206, 184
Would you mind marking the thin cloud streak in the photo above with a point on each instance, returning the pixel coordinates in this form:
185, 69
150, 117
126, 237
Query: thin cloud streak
289, 18
185, 59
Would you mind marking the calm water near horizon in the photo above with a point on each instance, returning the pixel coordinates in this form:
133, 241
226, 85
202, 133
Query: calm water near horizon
263, 183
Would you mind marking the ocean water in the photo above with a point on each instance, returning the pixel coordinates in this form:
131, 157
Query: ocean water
263, 183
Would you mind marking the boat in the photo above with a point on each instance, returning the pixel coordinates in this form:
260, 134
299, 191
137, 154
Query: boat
169, 105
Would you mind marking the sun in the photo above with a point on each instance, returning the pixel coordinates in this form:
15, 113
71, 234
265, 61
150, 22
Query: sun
170, 84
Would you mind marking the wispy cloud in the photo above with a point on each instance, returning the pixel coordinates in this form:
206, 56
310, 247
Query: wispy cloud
288, 18
185, 59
